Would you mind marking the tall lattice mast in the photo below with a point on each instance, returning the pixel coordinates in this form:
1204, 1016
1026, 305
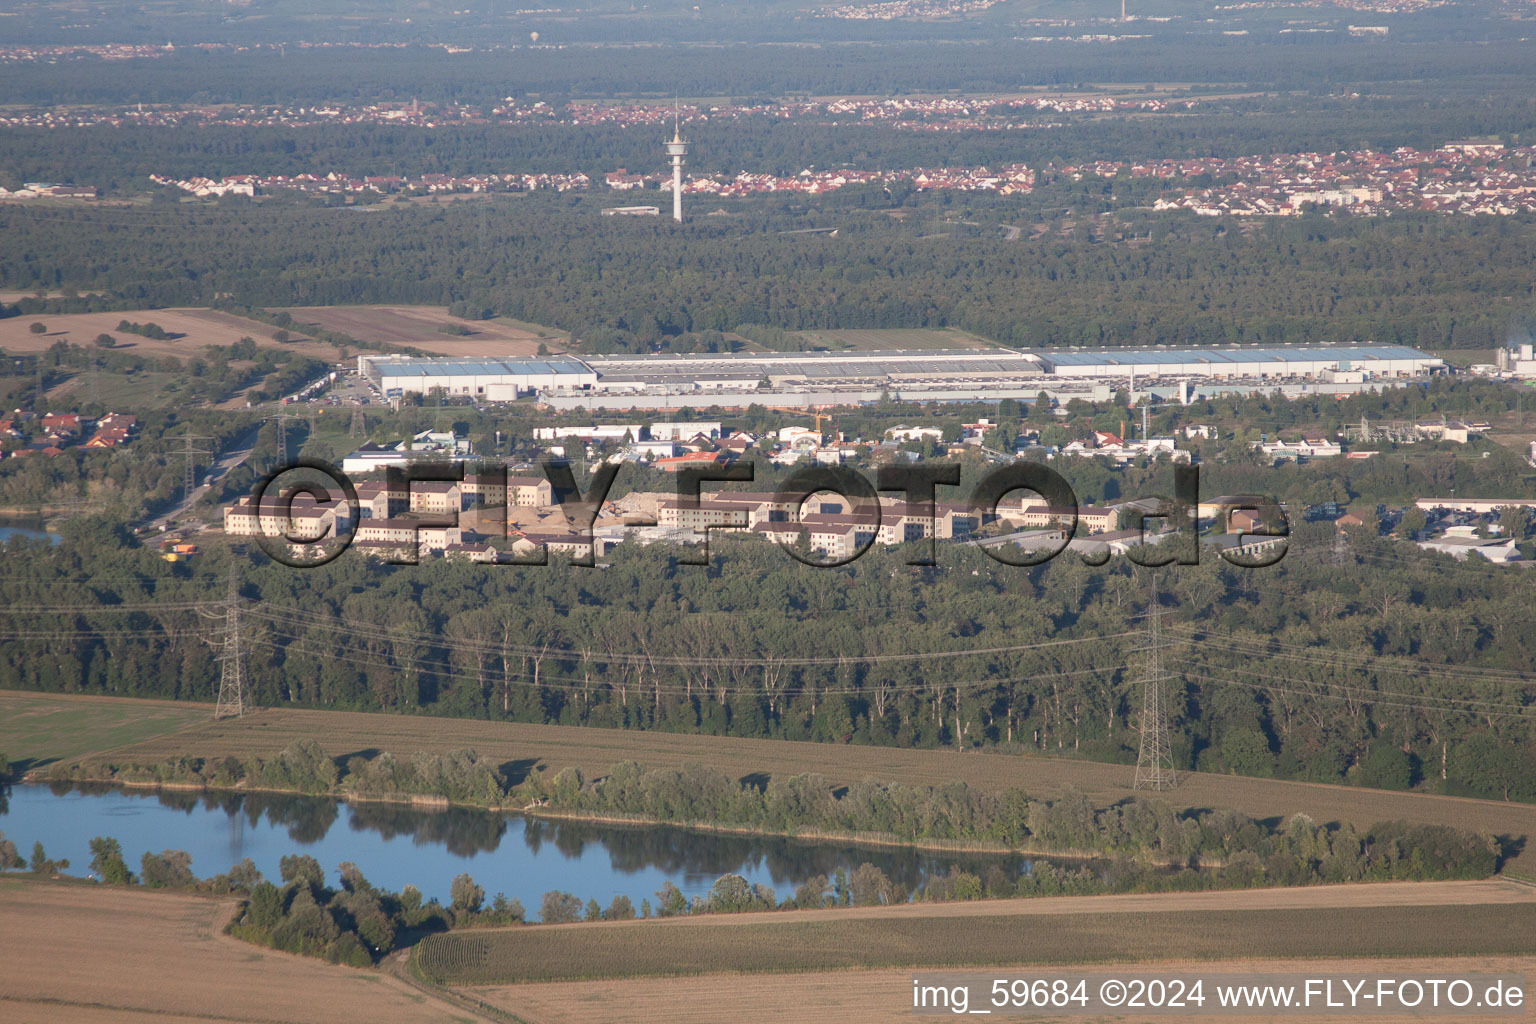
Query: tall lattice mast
232, 702
189, 455
1154, 762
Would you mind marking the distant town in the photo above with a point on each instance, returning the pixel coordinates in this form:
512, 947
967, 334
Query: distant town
1465, 177
977, 113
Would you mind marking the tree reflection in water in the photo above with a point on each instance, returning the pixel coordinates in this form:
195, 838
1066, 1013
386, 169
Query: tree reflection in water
696, 856
707, 855
464, 832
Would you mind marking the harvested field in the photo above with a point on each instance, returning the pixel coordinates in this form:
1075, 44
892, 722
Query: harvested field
193, 330
555, 747
82, 953
419, 327
897, 337
1497, 919
885, 996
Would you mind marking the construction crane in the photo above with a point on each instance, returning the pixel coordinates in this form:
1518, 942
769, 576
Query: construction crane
818, 415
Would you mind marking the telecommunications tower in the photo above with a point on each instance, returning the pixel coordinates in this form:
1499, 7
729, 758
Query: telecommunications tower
677, 149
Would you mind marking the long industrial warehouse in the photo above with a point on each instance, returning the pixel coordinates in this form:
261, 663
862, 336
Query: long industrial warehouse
492, 379
1280, 361
852, 377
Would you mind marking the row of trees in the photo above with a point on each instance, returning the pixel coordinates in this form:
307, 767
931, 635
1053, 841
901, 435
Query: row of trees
1137, 828
458, 777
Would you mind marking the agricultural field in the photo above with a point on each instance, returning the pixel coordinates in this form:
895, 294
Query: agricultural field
896, 337
885, 996
1486, 919
138, 391
421, 327
82, 954
521, 747
38, 729
190, 332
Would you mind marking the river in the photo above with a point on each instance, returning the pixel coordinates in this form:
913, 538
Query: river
395, 845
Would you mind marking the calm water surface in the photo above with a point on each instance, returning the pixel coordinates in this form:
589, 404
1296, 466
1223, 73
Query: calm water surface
30, 532
395, 846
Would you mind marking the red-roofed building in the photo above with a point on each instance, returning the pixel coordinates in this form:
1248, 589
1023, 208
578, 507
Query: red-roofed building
676, 462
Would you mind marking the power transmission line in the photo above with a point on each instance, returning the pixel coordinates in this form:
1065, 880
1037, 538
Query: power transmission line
232, 702
189, 453
281, 420
295, 617
1276, 688
569, 684
1154, 760
1351, 659
91, 609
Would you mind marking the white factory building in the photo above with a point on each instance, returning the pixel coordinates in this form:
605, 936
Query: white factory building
494, 380
746, 371
664, 381
1292, 361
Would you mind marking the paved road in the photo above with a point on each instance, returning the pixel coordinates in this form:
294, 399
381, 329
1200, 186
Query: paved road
244, 445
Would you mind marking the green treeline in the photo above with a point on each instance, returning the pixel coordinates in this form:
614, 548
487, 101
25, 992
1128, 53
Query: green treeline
1456, 54
1417, 280
1359, 661
458, 777
1251, 852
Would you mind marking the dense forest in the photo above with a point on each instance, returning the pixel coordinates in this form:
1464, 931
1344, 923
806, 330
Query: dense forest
1362, 661
1420, 280
1451, 61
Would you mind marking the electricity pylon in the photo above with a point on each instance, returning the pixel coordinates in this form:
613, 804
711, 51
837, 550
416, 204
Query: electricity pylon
232, 702
189, 453
1154, 762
